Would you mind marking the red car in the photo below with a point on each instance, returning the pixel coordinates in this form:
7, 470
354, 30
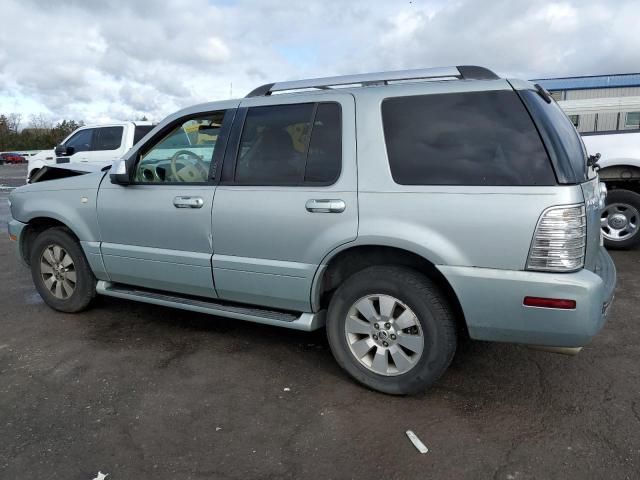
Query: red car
11, 158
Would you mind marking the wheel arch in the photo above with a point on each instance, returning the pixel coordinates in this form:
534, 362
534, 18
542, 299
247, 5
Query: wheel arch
33, 166
34, 227
621, 176
342, 263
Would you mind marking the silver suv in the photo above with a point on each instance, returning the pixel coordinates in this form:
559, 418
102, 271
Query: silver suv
401, 209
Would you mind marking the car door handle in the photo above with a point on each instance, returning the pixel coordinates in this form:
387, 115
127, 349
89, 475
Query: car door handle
325, 206
188, 202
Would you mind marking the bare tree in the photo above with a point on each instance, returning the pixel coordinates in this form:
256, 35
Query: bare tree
40, 122
13, 122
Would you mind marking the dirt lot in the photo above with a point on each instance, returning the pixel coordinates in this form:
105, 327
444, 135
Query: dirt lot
144, 392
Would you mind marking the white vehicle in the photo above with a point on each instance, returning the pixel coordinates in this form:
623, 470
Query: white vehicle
620, 171
96, 144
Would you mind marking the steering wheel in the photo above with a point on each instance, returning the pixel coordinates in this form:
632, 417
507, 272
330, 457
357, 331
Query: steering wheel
198, 172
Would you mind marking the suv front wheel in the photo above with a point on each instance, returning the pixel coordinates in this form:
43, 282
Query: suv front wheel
391, 329
61, 272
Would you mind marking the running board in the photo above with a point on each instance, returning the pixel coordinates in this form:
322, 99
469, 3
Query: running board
296, 321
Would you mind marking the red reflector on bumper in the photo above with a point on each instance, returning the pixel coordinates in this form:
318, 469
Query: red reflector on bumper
549, 303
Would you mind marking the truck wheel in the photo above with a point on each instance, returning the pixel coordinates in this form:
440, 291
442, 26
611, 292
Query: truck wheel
620, 220
391, 329
61, 272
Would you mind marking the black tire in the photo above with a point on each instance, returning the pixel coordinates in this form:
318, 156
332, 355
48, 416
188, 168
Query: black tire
632, 200
85, 283
432, 310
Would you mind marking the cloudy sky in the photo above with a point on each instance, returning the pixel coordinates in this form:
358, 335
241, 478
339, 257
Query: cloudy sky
101, 60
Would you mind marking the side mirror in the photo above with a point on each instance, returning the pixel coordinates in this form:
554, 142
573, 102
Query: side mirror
62, 151
119, 174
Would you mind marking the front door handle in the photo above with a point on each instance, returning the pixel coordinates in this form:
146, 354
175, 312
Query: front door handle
325, 206
188, 202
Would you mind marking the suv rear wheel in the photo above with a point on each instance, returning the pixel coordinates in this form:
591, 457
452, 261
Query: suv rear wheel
620, 221
61, 272
391, 329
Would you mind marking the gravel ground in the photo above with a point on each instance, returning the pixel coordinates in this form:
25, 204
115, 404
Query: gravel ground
144, 392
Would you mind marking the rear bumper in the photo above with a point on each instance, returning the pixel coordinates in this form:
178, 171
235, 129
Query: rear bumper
492, 303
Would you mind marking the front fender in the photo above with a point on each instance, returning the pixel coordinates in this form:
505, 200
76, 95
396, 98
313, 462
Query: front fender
70, 201
34, 165
41, 159
68, 209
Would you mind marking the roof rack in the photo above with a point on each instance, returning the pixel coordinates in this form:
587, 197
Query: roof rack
462, 72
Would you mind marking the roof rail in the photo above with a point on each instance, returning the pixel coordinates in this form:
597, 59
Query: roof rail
462, 72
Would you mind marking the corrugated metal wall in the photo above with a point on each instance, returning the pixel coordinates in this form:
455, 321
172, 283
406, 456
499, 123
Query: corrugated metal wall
601, 93
604, 121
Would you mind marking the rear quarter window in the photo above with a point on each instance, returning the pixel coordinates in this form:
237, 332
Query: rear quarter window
471, 138
561, 137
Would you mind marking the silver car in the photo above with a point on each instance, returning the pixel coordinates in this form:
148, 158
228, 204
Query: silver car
400, 209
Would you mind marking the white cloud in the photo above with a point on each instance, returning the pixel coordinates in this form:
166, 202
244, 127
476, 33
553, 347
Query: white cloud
100, 60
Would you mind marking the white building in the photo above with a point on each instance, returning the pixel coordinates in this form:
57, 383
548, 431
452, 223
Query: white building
598, 103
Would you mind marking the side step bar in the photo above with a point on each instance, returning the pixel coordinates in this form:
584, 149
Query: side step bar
296, 321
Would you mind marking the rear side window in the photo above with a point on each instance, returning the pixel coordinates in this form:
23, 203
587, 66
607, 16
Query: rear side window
290, 145
471, 138
324, 160
107, 138
141, 131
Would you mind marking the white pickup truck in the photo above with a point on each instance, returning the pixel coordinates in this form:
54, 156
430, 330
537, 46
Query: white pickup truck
620, 171
94, 144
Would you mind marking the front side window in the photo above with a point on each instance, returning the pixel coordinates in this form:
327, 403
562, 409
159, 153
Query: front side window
632, 120
182, 155
81, 141
290, 145
471, 138
107, 138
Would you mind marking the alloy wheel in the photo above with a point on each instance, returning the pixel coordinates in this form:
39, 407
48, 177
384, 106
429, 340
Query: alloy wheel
619, 222
384, 334
58, 272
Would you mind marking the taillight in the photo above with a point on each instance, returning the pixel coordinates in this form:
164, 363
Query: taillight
559, 240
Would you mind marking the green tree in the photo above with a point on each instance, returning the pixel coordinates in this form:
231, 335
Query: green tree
40, 134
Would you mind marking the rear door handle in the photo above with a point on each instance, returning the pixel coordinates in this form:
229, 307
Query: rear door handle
325, 206
188, 202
